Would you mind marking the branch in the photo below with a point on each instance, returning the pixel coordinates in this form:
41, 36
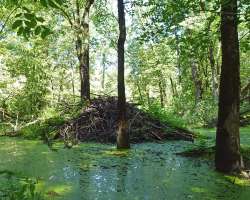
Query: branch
87, 7
64, 13
244, 35
8, 17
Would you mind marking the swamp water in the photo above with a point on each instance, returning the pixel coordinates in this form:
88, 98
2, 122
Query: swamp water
95, 171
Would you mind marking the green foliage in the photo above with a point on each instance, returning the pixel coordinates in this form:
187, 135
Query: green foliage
48, 122
17, 188
196, 115
164, 115
29, 75
41, 129
5, 128
27, 24
39, 77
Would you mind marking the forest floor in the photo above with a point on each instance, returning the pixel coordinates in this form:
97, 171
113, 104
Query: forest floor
98, 123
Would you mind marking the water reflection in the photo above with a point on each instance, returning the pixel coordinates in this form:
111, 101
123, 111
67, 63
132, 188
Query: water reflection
147, 171
121, 174
69, 172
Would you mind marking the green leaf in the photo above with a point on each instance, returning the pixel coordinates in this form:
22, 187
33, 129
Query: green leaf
26, 32
38, 30
31, 24
40, 19
44, 3
29, 16
45, 33
32, 189
18, 15
53, 4
20, 31
26, 9
61, 2
16, 24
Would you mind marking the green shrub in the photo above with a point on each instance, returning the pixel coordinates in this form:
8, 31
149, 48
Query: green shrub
18, 188
41, 128
166, 116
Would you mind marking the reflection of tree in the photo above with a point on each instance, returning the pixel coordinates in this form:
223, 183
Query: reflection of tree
122, 170
84, 184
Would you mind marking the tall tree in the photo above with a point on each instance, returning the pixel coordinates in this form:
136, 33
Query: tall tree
79, 22
228, 157
122, 133
82, 47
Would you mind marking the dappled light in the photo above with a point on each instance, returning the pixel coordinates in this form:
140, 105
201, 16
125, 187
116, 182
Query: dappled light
124, 100
100, 171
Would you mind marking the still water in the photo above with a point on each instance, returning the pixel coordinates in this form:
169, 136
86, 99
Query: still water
94, 171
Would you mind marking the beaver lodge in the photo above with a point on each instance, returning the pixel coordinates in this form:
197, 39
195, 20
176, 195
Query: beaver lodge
98, 123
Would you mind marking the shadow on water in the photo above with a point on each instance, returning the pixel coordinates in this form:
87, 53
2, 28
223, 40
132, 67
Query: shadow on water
96, 171
121, 174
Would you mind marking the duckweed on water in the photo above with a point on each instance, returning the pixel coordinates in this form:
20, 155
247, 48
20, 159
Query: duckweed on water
97, 171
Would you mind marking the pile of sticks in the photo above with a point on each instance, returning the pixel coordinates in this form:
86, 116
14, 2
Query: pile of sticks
98, 123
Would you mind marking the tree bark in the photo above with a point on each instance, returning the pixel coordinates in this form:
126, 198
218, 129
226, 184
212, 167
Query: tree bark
82, 47
84, 64
178, 54
173, 87
148, 97
73, 80
52, 91
103, 70
228, 157
218, 54
161, 94
122, 133
197, 82
139, 90
60, 96
213, 70
162, 89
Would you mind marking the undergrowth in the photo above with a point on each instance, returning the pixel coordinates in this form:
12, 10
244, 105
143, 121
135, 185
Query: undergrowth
165, 116
47, 122
14, 187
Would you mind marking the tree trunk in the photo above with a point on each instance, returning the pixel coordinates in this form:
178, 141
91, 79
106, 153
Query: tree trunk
85, 82
122, 134
60, 96
212, 64
103, 70
218, 54
148, 97
178, 54
162, 89
161, 94
197, 82
82, 48
173, 87
52, 91
83, 58
139, 90
73, 81
228, 157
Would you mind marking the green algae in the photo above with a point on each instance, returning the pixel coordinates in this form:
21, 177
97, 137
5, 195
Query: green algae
98, 171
